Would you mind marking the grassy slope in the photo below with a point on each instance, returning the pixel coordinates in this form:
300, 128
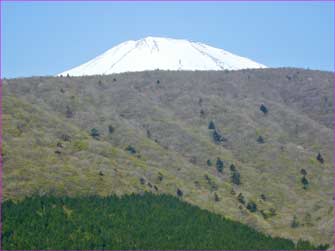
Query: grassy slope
295, 129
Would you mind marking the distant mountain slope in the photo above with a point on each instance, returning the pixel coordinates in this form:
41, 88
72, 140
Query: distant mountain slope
153, 53
149, 131
131, 222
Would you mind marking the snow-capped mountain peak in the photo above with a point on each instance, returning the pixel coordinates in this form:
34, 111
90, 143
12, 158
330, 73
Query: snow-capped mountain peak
152, 53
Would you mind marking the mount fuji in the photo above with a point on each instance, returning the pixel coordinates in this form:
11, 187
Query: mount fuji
152, 53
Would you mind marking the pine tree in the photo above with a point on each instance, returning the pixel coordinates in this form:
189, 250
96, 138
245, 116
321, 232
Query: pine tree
263, 108
95, 133
219, 165
211, 125
320, 158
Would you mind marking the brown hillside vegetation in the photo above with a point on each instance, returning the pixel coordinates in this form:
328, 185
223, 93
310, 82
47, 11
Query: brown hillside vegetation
258, 162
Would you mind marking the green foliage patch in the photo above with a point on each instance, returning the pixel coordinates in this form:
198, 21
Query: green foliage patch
130, 222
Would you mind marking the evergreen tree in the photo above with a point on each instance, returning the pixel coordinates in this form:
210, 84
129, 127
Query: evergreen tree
260, 140
219, 165
295, 223
241, 199
131, 149
95, 133
303, 172
110, 129
211, 125
263, 108
216, 197
320, 158
235, 178
217, 137
251, 206
305, 182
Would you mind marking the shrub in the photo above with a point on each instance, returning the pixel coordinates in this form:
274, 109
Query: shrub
65, 137
232, 168
216, 197
101, 173
80, 145
95, 133
219, 165
263, 197
211, 183
179, 192
209, 162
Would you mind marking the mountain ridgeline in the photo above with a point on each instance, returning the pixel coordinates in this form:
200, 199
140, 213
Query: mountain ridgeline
254, 146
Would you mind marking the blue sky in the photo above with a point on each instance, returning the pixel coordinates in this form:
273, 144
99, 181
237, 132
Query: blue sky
45, 38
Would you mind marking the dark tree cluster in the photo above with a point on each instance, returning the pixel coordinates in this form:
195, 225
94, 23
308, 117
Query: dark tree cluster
132, 222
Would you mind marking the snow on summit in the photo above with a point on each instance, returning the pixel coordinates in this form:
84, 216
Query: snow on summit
154, 53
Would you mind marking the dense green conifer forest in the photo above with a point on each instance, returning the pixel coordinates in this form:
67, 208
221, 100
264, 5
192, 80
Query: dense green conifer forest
145, 221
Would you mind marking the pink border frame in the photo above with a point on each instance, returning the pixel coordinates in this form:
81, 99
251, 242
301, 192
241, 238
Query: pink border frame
159, 1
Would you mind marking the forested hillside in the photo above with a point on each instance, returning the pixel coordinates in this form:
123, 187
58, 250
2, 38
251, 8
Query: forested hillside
255, 146
131, 222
